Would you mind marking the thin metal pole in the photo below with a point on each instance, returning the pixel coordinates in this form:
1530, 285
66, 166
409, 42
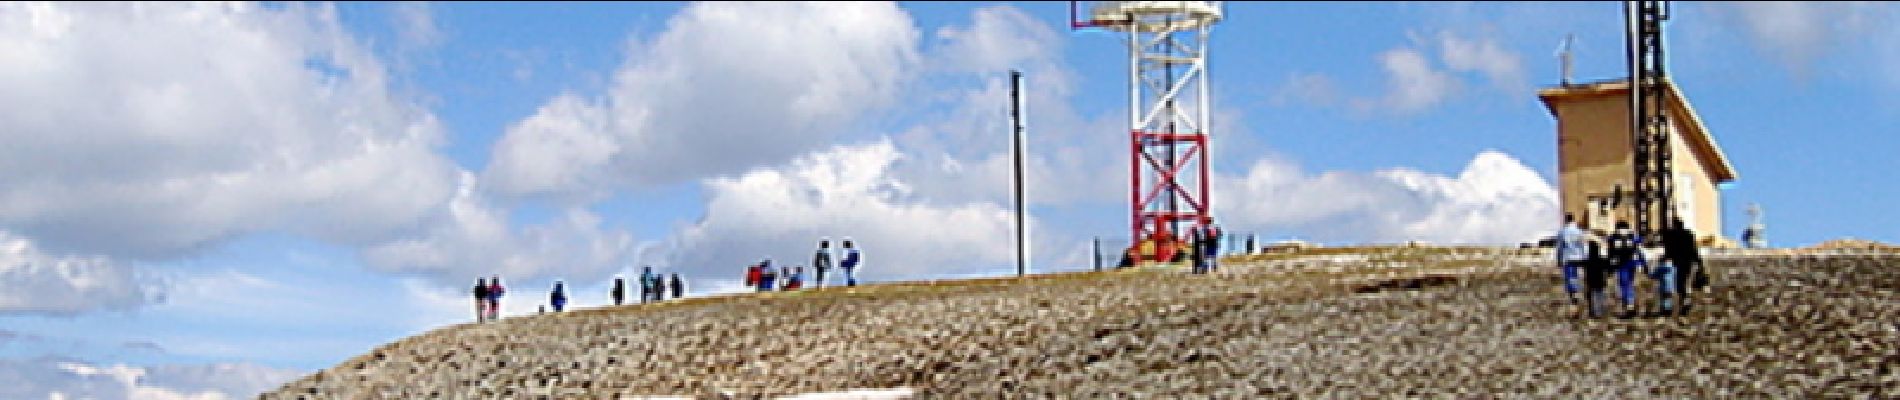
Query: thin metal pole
1016, 125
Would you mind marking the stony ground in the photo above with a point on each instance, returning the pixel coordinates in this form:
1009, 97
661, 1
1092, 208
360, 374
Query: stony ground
1366, 323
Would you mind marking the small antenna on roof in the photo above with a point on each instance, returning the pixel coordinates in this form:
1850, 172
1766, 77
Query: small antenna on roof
1563, 56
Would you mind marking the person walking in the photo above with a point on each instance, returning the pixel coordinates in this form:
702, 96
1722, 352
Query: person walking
1626, 254
1197, 246
1596, 271
620, 290
852, 258
481, 299
495, 291
1571, 254
1680, 248
679, 286
821, 262
558, 298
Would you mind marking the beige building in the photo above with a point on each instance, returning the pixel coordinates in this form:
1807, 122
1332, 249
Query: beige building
1594, 156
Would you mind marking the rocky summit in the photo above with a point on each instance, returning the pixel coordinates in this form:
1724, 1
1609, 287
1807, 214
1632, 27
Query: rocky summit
1327, 322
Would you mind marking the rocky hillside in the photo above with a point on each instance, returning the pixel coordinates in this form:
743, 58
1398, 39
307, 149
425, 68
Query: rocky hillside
1349, 323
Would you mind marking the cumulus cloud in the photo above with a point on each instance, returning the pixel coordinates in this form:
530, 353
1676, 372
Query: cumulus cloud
727, 87
1800, 34
1495, 200
844, 191
33, 282
62, 378
220, 120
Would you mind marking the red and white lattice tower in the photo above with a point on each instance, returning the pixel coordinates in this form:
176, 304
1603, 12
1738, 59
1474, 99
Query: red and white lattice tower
1168, 112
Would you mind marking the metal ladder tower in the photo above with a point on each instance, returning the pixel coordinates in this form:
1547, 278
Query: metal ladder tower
1168, 112
1654, 191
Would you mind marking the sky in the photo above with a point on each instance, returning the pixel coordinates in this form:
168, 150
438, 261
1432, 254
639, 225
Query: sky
208, 200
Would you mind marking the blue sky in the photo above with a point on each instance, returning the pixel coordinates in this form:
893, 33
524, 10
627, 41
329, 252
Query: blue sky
274, 188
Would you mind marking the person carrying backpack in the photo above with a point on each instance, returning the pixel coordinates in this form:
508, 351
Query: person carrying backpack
1626, 255
558, 298
821, 261
481, 300
850, 264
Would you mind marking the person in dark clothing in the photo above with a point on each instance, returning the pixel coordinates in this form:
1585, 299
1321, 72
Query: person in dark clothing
659, 288
768, 276
1679, 246
1596, 275
678, 286
558, 298
481, 300
821, 262
850, 263
620, 290
1197, 253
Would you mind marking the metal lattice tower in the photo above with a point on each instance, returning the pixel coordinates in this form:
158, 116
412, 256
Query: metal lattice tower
1654, 192
1168, 110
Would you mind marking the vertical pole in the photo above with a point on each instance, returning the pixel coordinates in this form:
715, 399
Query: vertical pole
1016, 125
1096, 251
1207, 139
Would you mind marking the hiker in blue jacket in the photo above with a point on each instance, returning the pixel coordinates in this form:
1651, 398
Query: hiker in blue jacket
850, 264
558, 298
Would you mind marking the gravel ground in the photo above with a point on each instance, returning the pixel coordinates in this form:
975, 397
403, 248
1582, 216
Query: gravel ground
1381, 323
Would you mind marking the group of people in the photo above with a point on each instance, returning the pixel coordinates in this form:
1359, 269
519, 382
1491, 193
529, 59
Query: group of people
488, 298
1597, 256
764, 277
653, 287
1206, 253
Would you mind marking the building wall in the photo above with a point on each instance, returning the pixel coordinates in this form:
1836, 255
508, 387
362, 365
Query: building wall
1594, 156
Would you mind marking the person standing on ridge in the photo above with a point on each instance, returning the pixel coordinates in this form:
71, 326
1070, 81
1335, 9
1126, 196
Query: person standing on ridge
1626, 255
646, 284
558, 298
619, 290
481, 299
495, 290
678, 286
850, 264
1213, 247
821, 262
1571, 254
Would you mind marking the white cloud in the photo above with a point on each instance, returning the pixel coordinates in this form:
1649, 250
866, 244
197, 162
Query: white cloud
1495, 200
728, 87
1413, 84
1861, 38
275, 119
472, 237
1502, 66
843, 192
59, 378
415, 25
34, 282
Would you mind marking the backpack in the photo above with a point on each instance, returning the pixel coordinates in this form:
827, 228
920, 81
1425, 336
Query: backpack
851, 257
